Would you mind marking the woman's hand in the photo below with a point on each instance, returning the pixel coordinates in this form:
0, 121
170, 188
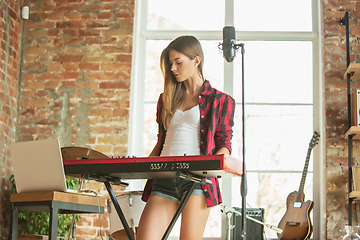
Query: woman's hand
223, 150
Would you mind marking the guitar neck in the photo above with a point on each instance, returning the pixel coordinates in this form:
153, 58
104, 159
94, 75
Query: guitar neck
303, 177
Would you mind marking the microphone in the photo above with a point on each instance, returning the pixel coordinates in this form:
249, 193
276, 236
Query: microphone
229, 49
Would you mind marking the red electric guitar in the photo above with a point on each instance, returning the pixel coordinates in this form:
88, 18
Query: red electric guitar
296, 223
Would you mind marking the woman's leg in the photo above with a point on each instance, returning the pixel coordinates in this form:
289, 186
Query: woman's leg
194, 218
155, 218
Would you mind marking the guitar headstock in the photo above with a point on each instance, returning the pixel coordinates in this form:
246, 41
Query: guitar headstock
314, 140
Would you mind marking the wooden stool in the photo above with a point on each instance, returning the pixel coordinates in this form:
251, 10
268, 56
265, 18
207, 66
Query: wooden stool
53, 202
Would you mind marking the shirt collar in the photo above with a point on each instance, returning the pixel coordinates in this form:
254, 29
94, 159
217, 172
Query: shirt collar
207, 88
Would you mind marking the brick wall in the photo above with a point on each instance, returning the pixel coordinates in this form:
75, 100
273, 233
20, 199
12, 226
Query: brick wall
75, 79
10, 31
76, 73
336, 111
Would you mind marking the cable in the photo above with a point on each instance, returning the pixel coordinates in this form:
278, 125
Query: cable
98, 201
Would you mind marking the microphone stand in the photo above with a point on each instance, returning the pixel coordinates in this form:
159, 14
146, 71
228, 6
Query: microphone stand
243, 189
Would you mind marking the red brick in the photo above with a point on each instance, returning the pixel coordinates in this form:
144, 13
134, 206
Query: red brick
79, 7
54, 32
106, 94
104, 15
35, 67
88, 16
71, 84
333, 113
37, 34
127, 22
42, 93
28, 76
116, 67
89, 66
334, 74
99, 24
101, 40
86, 231
89, 33
27, 112
123, 76
66, 75
332, 93
99, 76
30, 59
101, 130
56, 16
34, 103
42, 8
37, 25
101, 112
119, 32
124, 58
71, 66
68, 58
124, 14
100, 58
73, 15
85, 221
102, 6
91, 84
104, 223
27, 93
36, 50
114, 85
121, 112
71, 33
70, 41
45, 131
47, 121
71, 24
28, 131
55, 67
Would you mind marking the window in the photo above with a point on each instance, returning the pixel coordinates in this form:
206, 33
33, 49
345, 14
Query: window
275, 15
282, 95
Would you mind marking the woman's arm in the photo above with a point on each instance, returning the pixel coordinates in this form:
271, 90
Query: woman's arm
155, 151
161, 131
223, 150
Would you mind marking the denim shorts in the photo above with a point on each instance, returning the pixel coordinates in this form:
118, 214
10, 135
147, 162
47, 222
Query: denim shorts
174, 188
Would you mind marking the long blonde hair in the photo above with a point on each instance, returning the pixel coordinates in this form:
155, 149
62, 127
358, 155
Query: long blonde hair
174, 92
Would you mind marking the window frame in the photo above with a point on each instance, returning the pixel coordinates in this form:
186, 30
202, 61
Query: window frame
141, 34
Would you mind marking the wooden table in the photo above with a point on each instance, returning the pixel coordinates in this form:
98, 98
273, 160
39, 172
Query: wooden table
53, 202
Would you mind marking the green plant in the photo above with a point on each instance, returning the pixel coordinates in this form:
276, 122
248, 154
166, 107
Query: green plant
38, 222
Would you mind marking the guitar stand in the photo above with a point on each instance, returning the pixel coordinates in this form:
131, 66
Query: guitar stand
184, 175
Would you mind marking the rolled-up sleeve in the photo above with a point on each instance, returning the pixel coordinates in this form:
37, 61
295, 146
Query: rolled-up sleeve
224, 132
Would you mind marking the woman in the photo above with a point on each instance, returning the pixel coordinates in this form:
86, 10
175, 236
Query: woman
193, 119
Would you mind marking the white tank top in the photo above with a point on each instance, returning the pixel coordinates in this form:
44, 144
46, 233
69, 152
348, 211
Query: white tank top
183, 134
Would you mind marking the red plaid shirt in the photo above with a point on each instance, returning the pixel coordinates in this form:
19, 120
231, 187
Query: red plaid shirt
217, 111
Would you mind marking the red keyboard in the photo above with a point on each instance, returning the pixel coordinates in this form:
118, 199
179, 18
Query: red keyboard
154, 167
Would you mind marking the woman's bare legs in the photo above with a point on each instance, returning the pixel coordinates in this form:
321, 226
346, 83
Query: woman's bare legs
194, 218
155, 218
159, 212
